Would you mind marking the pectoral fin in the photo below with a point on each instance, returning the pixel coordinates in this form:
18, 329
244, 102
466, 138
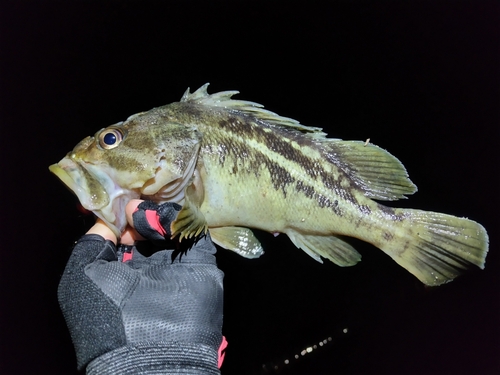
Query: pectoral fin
190, 221
329, 247
240, 240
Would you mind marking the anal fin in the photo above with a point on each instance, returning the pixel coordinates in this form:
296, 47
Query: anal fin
330, 247
238, 239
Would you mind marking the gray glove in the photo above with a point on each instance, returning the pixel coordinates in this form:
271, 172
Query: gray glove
152, 315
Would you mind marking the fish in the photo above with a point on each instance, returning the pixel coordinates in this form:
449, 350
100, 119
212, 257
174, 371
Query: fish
235, 167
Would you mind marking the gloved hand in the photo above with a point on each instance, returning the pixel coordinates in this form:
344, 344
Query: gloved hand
128, 314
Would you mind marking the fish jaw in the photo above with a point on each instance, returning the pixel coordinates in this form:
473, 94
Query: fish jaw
96, 191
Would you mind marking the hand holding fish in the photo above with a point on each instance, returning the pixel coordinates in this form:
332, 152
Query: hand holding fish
128, 236
133, 314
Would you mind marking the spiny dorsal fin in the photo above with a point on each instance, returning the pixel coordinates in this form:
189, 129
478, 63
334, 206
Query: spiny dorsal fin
379, 174
256, 110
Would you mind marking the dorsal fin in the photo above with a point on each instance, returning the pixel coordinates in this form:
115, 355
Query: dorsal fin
375, 171
256, 110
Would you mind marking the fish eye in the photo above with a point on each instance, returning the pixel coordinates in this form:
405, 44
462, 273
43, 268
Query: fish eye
110, 138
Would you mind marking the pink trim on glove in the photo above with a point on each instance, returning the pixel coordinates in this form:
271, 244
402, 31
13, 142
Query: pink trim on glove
154, 221
127, 256
222, 351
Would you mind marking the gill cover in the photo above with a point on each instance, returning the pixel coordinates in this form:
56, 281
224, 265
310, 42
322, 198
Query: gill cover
178, 151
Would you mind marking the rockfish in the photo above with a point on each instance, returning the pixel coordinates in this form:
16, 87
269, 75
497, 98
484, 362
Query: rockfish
233, 165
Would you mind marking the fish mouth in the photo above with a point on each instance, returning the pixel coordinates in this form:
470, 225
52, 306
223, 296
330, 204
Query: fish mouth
96, 191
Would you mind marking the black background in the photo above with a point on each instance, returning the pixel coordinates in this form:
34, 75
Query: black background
420, 78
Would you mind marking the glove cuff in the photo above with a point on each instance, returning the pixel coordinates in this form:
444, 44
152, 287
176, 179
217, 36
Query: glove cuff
166, 358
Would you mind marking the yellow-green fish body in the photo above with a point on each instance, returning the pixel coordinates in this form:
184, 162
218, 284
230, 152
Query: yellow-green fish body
234, 166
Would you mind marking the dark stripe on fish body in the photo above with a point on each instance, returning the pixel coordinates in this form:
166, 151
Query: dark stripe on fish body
280, 176
247, 129
387, 236
267, 135
311, 167
391, 212
323, 201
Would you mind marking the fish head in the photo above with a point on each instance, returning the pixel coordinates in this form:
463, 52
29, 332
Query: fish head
144, 157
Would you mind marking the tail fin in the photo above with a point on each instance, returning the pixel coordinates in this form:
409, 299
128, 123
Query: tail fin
437, 247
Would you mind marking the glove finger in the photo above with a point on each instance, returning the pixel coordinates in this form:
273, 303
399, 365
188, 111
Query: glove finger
153, 221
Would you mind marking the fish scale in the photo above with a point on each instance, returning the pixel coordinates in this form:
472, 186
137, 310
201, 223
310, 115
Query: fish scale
234, 167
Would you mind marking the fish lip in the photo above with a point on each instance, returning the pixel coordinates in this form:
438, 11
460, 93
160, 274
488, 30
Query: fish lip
111, 207
66, 179
72, 174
